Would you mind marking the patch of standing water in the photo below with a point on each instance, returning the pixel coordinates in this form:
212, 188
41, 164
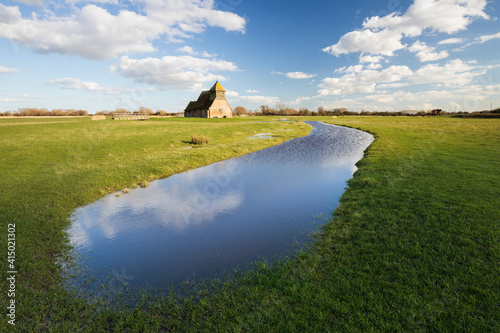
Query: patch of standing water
261, 136
199, 223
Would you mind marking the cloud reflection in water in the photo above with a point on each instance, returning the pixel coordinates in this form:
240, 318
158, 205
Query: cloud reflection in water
222, 215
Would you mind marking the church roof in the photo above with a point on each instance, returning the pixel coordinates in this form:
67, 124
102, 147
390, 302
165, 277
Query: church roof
217, 86
203, 103
206, 98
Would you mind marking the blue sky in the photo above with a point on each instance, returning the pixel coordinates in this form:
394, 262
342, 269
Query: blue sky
372, 55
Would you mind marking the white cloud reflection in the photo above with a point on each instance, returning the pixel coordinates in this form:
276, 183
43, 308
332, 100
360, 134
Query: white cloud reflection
185, 200
271, 182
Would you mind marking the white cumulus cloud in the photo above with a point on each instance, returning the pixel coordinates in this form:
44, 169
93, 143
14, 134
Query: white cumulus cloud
186, 49
189, 50
36, 3
6, 70
383, 35
467, 98
384, 42
369, 58
362, 80
94, 33
426, 53
114, 2
181, 72
231, 94
299, 75
485, 38
9, 99
455, 73
301, 99
451, 41
350, 69
374, 66
77, 84
72, 83
260, 99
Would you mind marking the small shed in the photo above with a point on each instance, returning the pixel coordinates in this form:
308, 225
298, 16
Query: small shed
436, 112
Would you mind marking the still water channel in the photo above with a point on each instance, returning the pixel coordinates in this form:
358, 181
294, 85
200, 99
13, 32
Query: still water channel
196, 224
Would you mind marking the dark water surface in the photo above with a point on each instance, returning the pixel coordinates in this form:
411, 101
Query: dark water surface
225, 215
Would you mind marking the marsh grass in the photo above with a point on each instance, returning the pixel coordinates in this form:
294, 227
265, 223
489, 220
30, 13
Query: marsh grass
199, 139
413, 246
58, 165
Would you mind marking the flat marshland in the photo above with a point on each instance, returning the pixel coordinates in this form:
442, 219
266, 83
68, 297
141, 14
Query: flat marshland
413, 246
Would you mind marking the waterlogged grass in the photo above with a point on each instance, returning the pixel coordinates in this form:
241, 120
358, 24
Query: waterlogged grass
414, 245
52, 166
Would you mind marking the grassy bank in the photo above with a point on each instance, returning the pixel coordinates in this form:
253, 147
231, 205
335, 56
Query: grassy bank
414, 245
52, 166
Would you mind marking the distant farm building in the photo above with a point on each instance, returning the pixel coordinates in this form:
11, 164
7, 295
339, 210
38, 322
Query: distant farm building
211, 104
436, 112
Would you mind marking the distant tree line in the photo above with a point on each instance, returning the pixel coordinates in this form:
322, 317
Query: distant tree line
34, 112
283, 110
40, 112
264, 110
480, 114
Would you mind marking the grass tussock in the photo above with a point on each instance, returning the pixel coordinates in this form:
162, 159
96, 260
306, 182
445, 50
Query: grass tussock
199, 139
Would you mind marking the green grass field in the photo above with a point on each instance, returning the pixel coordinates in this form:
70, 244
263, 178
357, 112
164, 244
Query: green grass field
414, 245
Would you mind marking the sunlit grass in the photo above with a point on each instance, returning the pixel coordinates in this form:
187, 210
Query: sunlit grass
53, 166
414, 245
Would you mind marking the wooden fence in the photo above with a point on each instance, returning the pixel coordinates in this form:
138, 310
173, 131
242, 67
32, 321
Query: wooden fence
130, 116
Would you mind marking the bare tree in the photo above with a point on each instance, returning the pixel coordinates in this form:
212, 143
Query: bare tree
240, 110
